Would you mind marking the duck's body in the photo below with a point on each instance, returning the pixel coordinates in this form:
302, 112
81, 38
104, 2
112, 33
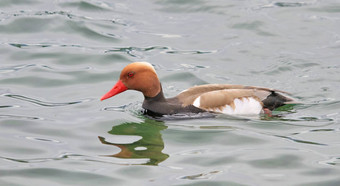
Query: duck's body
218, 98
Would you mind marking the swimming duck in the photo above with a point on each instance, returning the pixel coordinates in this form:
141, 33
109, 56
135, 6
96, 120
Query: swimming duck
214, 98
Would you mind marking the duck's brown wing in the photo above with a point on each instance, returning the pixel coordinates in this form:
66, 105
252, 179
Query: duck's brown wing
218, 96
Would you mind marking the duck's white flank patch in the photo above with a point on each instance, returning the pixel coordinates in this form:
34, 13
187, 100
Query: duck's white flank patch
197, 102
243, 106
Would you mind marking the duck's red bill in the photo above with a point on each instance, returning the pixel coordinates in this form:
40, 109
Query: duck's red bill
118, 88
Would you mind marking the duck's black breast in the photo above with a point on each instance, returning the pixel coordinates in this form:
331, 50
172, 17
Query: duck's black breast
159, 105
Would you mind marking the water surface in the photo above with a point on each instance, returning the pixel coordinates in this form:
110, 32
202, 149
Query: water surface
59, 57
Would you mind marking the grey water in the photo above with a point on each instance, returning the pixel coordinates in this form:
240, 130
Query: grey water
57, 58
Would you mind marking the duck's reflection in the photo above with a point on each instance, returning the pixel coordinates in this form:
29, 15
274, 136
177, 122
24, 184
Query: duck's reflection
149, 147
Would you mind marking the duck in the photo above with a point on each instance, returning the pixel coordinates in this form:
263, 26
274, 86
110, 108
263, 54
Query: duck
227, 99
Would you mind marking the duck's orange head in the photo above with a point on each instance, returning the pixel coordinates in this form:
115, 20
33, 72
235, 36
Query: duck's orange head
140, 76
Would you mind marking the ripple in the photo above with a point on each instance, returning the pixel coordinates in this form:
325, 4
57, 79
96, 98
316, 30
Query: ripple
290, 4
26, 25
136, 51
14, 68
131, 107
193, 6
21, 117
121, 108
9, 106
134, 109
140, 52
101, 159
164, 35
285, 4
68, 15
315, 130
87, 6
43, 103
33, 160
86, 31
50, 45
254, 26
69, 156
184, 67
301, 141
186, 52
201, 176
331, 161
32, 24
59, 176
194, 152
62, 156
42, 139
41, 45
17, 2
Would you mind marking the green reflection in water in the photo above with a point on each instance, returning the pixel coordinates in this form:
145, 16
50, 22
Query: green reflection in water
149, 147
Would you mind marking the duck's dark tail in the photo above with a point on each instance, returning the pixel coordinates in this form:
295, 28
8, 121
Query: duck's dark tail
275, 100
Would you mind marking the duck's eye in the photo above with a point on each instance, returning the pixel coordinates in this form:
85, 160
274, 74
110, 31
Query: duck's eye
131, 74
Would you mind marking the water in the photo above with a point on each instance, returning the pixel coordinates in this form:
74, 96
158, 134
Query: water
59, 57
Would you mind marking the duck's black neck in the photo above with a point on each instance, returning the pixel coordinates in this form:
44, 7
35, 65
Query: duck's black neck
159, 97
160, 105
